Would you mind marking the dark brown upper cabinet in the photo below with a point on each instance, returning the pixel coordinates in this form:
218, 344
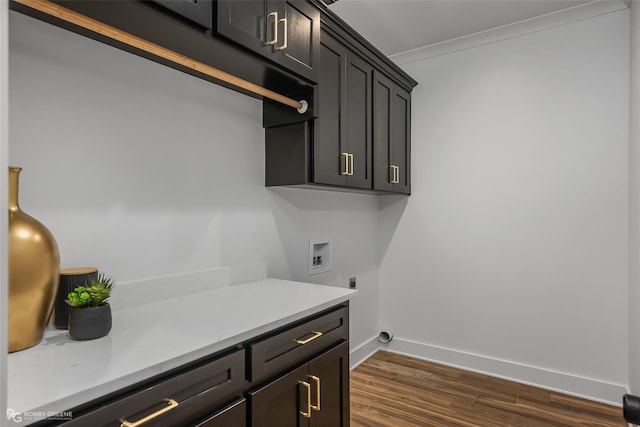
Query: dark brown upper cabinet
284, 31
361, 137
391, 136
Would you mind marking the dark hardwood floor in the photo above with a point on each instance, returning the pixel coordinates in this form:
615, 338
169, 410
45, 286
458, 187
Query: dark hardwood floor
391, 390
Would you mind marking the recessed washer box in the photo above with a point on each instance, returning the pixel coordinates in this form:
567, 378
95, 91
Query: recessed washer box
319, 256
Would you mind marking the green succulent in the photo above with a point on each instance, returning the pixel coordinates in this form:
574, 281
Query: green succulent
95, 293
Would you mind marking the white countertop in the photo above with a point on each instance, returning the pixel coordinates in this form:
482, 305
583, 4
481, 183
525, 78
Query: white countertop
146, 340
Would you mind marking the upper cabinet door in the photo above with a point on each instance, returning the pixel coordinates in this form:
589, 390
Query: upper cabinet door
328, 162
251, 23
382, 118
342, 144
298, 37
357, 133
285, 31
391, 136
401, 141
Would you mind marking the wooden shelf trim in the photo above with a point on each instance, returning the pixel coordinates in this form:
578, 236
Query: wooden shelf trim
60, 12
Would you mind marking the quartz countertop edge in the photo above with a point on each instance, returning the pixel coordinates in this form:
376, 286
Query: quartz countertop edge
59, 374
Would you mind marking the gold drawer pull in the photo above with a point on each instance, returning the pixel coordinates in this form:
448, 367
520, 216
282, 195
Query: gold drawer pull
172, 404
316, 334
317, 381
308, 387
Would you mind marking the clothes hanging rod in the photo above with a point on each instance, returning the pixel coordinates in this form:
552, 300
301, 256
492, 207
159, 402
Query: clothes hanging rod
75, 18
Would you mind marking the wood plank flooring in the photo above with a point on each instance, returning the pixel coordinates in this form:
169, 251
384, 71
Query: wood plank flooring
391, 390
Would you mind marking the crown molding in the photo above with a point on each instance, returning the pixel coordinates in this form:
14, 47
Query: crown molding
527, 26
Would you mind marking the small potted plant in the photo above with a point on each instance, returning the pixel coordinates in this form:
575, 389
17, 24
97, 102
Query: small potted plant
90, 314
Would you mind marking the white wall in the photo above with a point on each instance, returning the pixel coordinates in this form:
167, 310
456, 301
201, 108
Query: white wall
511, 254
634, 202
144, 171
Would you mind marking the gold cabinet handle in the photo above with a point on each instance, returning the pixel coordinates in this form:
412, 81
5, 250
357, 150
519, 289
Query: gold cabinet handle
316, 334
346, 164
317, 381
275, 28
171, 404
395, 175
286, 39
308, 387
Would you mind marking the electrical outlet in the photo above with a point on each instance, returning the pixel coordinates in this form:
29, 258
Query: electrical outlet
352, 282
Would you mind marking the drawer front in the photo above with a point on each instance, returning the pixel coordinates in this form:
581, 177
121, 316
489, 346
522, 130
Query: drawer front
292, 346
177, 401
234, 415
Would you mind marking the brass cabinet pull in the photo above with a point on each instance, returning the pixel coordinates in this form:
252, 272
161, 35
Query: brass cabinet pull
308, 387
275, 28
316, 334
317, 381
395, 175
286, 38
172, 404
346, 164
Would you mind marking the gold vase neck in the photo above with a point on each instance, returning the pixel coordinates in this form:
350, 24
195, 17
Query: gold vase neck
14, 173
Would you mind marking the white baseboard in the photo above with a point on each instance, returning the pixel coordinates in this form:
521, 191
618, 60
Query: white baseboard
363, 352
587, 388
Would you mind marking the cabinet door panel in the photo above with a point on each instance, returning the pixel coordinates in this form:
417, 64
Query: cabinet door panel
278, 403
401, 142
332, 369
302, 38
382, 100
248, 23
391, 136
328, 128
358, 116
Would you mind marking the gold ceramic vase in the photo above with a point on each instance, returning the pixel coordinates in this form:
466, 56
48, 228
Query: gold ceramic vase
34, 267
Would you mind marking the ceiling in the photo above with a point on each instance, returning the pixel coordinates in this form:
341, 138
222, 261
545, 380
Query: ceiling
395, 26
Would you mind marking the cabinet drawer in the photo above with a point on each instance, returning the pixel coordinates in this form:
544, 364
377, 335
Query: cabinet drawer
291, 346
194, 394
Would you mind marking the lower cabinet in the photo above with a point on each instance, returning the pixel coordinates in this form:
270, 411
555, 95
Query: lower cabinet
296, 375
315, 394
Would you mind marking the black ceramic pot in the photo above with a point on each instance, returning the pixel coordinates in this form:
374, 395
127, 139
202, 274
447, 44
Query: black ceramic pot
88, 323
